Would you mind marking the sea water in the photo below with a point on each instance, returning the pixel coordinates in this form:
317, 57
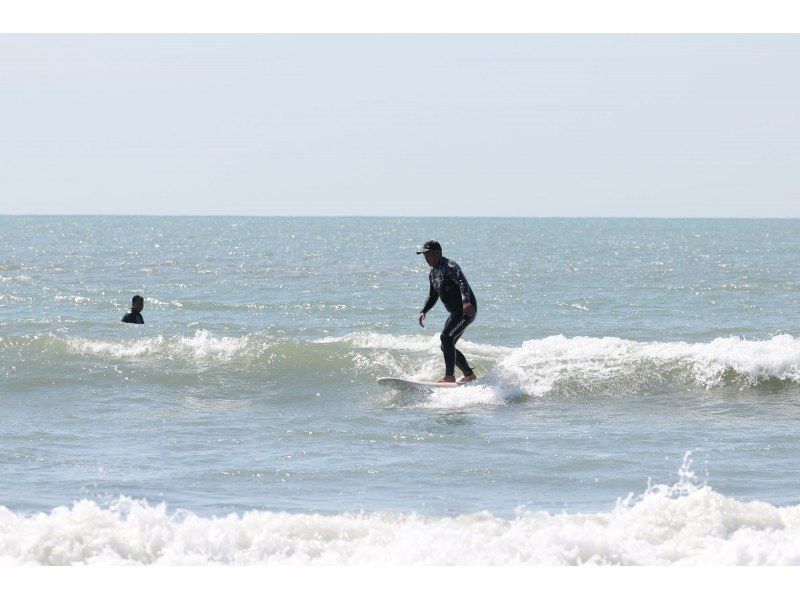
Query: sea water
640, 399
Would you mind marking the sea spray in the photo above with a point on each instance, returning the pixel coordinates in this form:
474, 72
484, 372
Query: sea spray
668, 524
562, 366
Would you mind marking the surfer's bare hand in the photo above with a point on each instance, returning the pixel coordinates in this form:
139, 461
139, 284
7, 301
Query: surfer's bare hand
467, 307
421, 318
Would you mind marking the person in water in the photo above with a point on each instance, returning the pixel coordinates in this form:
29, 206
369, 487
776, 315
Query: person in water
134, 315
448, 283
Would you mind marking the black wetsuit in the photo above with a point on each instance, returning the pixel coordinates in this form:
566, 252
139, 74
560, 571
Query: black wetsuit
449, 284
133, 317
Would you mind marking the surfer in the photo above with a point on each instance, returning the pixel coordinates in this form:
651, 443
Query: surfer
448, 283
134, 315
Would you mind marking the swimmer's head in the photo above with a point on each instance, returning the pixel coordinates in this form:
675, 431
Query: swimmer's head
137, 303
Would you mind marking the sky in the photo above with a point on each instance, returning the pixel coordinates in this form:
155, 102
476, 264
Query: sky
401, 125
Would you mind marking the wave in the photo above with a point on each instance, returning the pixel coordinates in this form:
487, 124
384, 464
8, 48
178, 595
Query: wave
561, 366
680, 524
409, 342
251, 354
555, 366
614, 365
202, 344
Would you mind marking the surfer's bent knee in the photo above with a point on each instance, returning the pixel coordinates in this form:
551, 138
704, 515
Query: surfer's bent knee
445, 340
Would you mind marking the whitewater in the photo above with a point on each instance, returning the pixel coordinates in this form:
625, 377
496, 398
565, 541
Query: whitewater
679, 524
243, 425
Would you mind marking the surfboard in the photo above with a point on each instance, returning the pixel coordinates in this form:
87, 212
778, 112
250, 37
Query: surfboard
404, 383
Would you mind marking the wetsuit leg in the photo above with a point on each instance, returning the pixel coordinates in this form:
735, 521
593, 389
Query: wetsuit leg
453, 329
461, 361
462, 364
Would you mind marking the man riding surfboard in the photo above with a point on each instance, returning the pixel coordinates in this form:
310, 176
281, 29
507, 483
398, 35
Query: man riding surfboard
448, 283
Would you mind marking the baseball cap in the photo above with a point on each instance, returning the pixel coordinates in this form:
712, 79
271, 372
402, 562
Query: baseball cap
428, 246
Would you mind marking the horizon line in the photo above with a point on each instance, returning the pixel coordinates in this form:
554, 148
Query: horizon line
459, 217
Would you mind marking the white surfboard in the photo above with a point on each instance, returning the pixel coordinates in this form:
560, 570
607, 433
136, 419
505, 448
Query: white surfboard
404, 383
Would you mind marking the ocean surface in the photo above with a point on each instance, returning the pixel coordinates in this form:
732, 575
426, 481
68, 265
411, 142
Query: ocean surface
640, 399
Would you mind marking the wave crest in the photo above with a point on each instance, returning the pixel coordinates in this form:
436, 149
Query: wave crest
562, 366
679, 524
580, 364
555, 366
247, 354
201, 345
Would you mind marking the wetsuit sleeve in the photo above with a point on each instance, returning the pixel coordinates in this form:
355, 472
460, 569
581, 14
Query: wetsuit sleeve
432, 297
458, 277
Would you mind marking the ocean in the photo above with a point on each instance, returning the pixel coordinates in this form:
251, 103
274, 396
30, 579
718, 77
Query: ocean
639, 400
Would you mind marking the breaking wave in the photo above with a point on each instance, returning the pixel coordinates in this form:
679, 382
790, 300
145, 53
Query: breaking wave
246, 355
556, 366
561, 366
201, 345
684, 523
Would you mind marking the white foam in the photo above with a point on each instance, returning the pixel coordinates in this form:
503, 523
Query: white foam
558, 364
555, 366
159, 303
465, 397
373, 340
539, 365
428, 342
681, 524
76, 299
201, 345
13, 298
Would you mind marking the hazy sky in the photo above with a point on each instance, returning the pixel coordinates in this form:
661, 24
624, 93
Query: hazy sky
463, 125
